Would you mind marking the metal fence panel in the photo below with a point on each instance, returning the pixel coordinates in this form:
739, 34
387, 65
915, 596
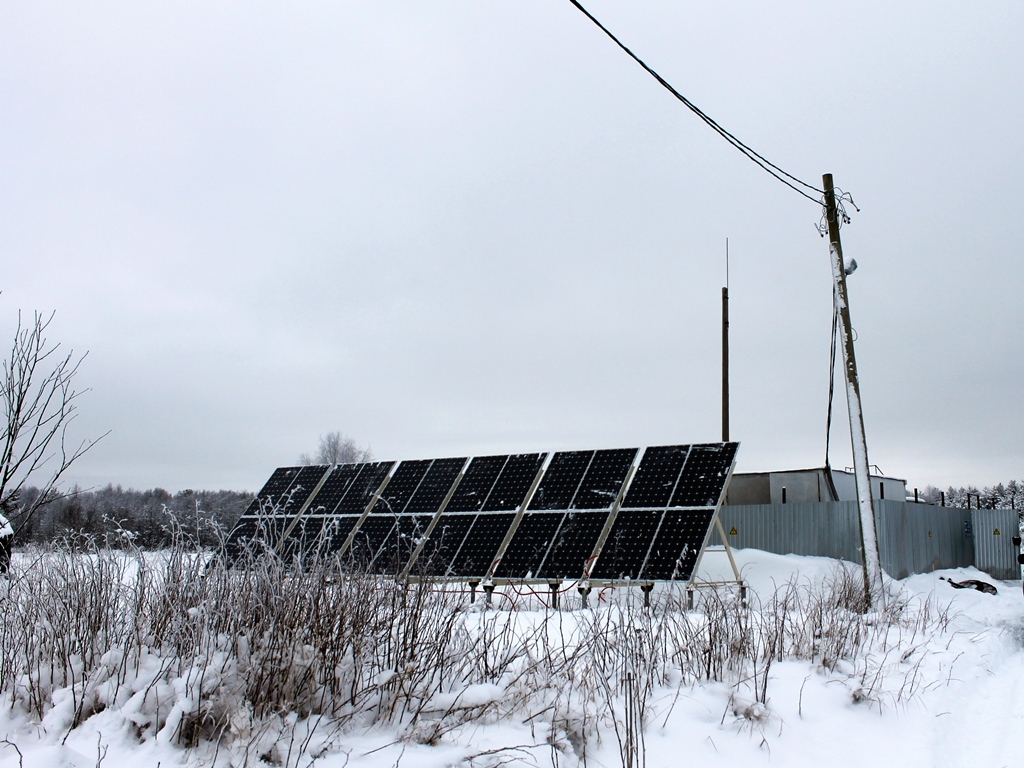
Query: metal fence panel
918, 538
912, 538
994, 530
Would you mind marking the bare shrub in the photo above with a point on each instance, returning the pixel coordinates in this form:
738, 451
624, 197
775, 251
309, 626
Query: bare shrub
278, 660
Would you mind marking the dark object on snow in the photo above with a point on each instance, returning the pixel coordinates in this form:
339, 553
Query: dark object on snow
6, 537
981, 586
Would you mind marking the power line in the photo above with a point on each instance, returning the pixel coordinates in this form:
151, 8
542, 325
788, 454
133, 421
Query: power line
762, 162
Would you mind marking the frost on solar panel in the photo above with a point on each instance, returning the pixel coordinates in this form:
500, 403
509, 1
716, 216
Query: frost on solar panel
573, 545
627, 544
401, 487
561, 480
435, 486
528, 546
264, 519
362, 488
604, 478
477, 483
704, 475
656, 476
443, 544
679, 540
481, 545
514, 482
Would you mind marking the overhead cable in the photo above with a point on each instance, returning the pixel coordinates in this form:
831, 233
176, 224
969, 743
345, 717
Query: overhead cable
762, 162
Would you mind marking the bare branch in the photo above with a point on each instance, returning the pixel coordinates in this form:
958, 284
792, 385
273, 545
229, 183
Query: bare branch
38, 398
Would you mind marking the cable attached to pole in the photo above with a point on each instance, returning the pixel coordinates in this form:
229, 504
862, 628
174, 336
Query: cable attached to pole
758, 159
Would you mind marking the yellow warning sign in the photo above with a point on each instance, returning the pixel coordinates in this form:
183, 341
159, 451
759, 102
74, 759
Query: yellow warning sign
996, 532
732, 532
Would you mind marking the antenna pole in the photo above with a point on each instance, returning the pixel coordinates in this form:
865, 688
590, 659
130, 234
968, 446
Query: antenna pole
725, 349
869, 537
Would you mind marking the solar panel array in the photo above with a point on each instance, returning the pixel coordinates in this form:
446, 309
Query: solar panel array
607, 515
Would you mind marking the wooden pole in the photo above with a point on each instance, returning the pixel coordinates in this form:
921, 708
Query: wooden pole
869, 537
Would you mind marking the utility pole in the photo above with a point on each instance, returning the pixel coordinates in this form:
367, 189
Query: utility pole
868, 535
725, 349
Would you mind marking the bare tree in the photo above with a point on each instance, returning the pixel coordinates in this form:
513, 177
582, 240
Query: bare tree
39, 400
336, 448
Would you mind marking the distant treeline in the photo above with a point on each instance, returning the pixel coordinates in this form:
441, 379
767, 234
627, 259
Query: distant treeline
1009, 496
149, 519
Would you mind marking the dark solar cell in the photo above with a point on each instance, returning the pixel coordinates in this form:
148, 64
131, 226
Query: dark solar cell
364, 486
656, 477
510, 489
704, 475
529, 545
301, 488
334, 489
677, 544
561, 480
401, 487
573, 545
627, 544
397, 546
336, 530
435, 485
245, 530
271, 492
604, 478
412, 529
477, 483
443, 544
370, 540
481, 545
307, 536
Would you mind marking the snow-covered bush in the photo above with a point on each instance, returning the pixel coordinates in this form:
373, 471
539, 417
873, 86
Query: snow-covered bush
270, 659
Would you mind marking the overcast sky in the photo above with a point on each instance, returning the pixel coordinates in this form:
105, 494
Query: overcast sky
454, 228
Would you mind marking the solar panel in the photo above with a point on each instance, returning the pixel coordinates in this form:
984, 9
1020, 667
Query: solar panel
675, 548
368, 541
656, 476
605, 475
704, 475
273, 490
435, 485
401, 487
481, 545
529, 544
561, 480
364, 486
627, 544
269, 514
573, 546
609, 515
512, 485
334, 488
443, 544
477, 483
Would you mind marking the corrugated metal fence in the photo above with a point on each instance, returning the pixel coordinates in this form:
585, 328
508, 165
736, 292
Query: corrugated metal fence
994, 552
912, 538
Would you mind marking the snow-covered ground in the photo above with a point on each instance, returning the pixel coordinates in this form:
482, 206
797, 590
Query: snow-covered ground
946, 689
